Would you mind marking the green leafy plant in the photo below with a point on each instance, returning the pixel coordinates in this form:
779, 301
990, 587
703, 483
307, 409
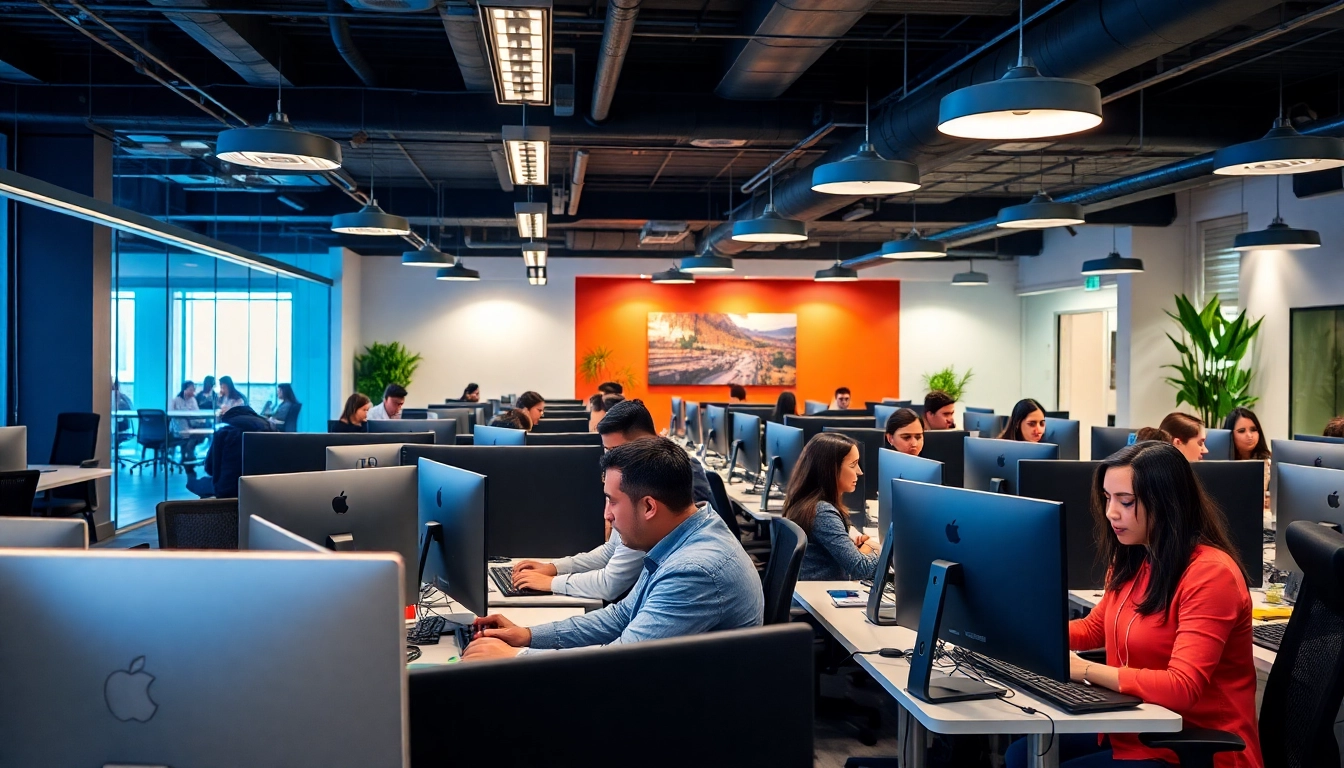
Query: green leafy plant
598, 365
383, 364
948, 381
1211, 379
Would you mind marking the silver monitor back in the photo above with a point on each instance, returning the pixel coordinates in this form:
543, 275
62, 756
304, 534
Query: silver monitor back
13, 448
28, 532
263, 535
364, 456
202, 659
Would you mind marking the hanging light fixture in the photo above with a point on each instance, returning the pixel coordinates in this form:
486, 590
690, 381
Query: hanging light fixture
865, 172
769, 227
1042, 212
278, 146
970, 279
536, 275
673, 276
706, 262
370, 220
458, 272
1020, 105
1282, 150
426, 256
836, 273
531, 218
1278, 236
517, 39
913, 246
527, 148
534, 253
1113, 263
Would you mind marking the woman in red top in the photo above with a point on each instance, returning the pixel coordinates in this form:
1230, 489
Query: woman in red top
1176, 614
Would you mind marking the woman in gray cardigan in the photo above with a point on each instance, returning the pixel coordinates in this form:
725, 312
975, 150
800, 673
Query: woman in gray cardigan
828, 469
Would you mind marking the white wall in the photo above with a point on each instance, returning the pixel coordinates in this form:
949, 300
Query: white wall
1039, 345
1143, 396
345, 320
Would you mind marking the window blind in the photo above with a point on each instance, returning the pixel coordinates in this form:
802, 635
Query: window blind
1220, 265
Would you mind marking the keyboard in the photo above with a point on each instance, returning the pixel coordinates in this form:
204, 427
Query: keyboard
463, 634
503, 577
1268, 635
427, 630
1074, 698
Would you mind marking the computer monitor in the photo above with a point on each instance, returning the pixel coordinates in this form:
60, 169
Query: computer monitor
692, 423
991, 465
811, 407
1064, 433
1319, 439
746, 446
1305, 493
541, 501
276, 453
1238, 488
414, 414
564, 401
717, 437
263, 535
894, 465
464, 417
676, 424
453, 533
812, 425
445, 430
1070, 484
783, 448
983, 424
13, 449
971, 409
1219, 443
292, 658
364, 456
882, 413
896, 402
549, 425
465, 440
43, 532
766, 671
562, 438
953, 582
947, 446
346, 510
759, 410
1057, 414
871, 441
498, 436
1108, 440
1300, 453
567, 412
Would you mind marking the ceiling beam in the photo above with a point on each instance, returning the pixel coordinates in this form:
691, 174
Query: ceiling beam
246, 44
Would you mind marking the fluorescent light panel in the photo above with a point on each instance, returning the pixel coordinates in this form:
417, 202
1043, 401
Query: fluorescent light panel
531, 219
527, 148
534, 254
518, 38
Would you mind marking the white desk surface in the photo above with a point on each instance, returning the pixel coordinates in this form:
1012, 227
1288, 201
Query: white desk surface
447, 652
171, 414
851, 628
58, 475
498, 600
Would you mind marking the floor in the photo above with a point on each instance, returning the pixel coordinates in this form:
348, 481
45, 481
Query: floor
136, 493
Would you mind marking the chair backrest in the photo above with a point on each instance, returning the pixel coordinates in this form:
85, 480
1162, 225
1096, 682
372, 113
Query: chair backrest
86, 492
198, 524
1305, 686
152, 426
76, 438
787, 543
722, 504
17, 490
291, 423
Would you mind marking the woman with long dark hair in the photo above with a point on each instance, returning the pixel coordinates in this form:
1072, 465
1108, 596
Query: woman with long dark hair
1248, 440
827, 470
229, 396
785, 405
1175, 617
533, 404
355, 415
1027, 424
288, 402
905, 432
1187, 434
472, 393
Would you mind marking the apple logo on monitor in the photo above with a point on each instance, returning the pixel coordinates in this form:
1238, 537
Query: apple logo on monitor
1333, 500
438, 497
1003, 460
952, 534
339, 504
127, 693
1317, 462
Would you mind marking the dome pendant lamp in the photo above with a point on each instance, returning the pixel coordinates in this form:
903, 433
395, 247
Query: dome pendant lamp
1278, 236
1020, 105
1282, 150
278, 146
1113, 264
707, 262
769, 227
426, 256
865, 172
673, 276
1041, 212
970, 279
370, 220
457, 271
836, 273
913, 246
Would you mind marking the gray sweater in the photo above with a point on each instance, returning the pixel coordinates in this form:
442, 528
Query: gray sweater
831, 554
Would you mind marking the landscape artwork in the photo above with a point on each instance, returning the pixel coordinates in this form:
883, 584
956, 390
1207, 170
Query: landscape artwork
714, 348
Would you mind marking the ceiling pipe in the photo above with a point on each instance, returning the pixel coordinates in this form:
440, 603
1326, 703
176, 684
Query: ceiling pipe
462, 24
345, 45
576, 179
785, 40
620, 27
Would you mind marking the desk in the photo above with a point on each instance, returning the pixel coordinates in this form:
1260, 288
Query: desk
852, 630
498, 600
58, 475
447, 652
171, 414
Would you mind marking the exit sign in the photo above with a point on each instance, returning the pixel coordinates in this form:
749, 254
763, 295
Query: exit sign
1092, 283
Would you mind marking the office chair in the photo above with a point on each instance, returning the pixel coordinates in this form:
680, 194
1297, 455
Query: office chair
787, 544
1306, 684
76, 438
70, 500
291, 422
152, 435
17, 491
757, 548
198, 524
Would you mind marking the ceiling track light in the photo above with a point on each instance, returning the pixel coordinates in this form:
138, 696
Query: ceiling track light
836, 273
534, 254
518, 42
1041, 212
278, 146
673, 276
531, 219
527, 149
970, 279
536, 275
912, 246
1281, 151
458, 272
709, 263
426, 256
370, 220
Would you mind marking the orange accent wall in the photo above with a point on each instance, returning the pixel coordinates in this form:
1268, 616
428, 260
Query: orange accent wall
848, 333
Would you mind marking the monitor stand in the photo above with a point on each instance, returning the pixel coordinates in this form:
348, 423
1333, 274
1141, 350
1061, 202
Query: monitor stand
738, 445
998, 485
772, 465
433, 533
704, 447
924, 684
341, 542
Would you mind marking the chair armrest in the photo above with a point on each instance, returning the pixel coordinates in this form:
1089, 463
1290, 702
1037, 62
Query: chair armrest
1194, 746
1096, 655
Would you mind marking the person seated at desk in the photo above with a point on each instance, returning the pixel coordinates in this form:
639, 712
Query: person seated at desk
1187, 434
229, 396
355, 415
737, 394
904, 432
609, 570
288, 402
514, 418
940, 410
1026, 424
1151, 433
533, 404
472, 394
598, 405
611, 388
827, 470
205, 398
394, 397
695, 578
1175, 616
841, 401
224, 460
1334, 427
785, 405
185, 401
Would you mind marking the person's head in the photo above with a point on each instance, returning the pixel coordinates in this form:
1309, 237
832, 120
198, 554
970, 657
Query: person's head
625, 421
1248, 440
940, 410
647, 483
785, 405
1187, 434
842, 398
533, 403
1152, 433
472, 393
1148, 506
610, 388
1334, 428
394, 398
904, 432
356, 410
827, 469
1027, 424
514, 418
598, 405
227, 390
737, 393
188, 389
286, 393
207, 385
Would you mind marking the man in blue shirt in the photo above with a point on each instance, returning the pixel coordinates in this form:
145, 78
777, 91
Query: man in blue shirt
696, 576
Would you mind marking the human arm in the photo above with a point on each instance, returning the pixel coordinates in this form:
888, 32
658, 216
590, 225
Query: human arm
1090, 631
592, 628
830, 533
608, 582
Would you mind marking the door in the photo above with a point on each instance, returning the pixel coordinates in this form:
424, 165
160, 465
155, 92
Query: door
1084, 371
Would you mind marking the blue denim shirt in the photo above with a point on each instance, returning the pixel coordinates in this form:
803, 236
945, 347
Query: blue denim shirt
697, 579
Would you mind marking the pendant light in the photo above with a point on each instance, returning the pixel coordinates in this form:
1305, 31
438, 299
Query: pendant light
970, 279
865, 172
1020, 105
673, 276
1042, 212
370, 220
707, 262
278, 146
1113, 264
769, 227
458, 271
426, 256
536, 275
837, 273
1282, 150
1278, 236
913, 246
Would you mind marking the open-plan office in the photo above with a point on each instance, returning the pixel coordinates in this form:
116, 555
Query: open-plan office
543, 383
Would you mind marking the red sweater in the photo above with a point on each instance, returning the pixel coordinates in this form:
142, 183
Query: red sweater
1194, 660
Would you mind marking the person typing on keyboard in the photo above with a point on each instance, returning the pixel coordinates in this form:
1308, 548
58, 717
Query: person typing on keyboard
695, 576
608, 571
1175, 617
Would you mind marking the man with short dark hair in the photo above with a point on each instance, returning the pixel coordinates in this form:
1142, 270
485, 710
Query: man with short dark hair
841, 402
394, 397
611, 388
598, 405
737, 393
940, 410
696, 576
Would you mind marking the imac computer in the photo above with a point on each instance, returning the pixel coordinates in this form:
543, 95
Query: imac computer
1070, 484
445, 430
452, 533
1308, 454
364, 456
1219, 443
783, 449
717, 437
1064, 433
1306, 493
759, 410
1318, 439
972, 409
1238, 488
277, 453
552, 425
464, 417
1108, 440
983, 424
498, 436
812, 407
263, 535
43, 533
349, 510
692, 423
871, 442
13, 449
202, 658
746, 448
991, 465
882, 413
947, 446
562, 438
677, 424
813, 425
894, 465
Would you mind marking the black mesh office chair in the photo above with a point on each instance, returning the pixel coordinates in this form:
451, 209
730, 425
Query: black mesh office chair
152, 435
198, 524
76, 438
1306, 684
17, 490
70, 500
757, 548
787, 544
291, 422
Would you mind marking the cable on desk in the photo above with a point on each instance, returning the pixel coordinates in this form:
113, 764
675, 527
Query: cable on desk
961, 663
412, 653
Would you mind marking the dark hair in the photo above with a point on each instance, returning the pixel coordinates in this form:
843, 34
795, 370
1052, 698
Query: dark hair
394, 390
227, 381
605, 402
472, 387
1334, 428
595, 402
610, 388
1261, 449
287, 393
1180, 517
1024, 408
1181, 426
817, 479
937, 400
656, 467
354, 403
208, 382
1152, 433
188, 384
529, 399
841, 391
785, 405
902, 417
514, 418
629, 418
738, 391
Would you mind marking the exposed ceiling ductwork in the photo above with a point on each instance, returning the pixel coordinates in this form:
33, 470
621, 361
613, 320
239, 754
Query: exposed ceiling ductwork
245, 44
619, 240
787, 39
621, 15
345, 45
463, 26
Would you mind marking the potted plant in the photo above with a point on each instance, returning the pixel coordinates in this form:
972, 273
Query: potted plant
1211, 379
383, 364
948, 381
598, 365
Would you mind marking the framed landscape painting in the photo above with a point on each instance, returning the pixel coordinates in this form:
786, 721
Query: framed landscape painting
720, 348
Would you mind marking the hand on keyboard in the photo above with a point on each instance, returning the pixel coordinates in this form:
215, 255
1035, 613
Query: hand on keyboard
485, 648
537, 580
500, 628
534, 565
